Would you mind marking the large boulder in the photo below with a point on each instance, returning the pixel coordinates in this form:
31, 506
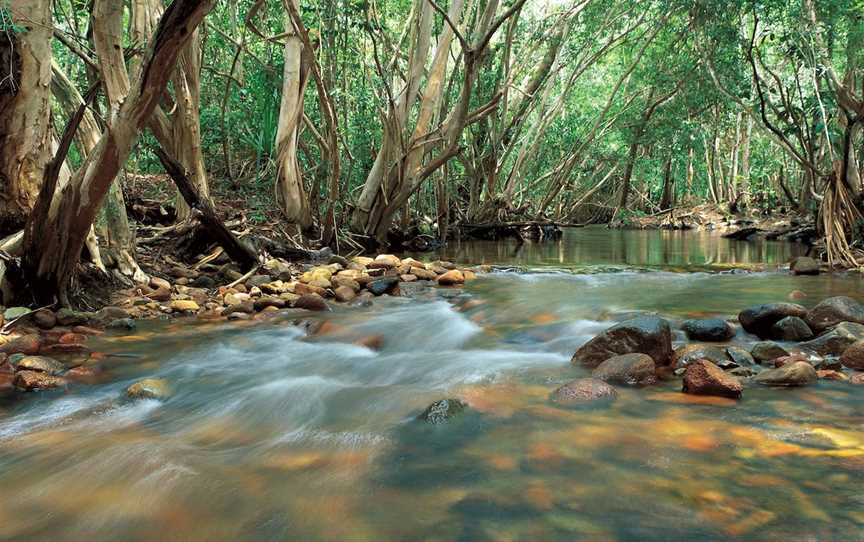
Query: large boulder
709, 330
630, 369
704, 378
791, 328
442, 411
799, 373
834, 310
649, 335
584, 391
804, 265
853, 357
760, 319
835, 341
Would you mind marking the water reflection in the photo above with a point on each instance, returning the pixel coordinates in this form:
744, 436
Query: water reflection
596, 245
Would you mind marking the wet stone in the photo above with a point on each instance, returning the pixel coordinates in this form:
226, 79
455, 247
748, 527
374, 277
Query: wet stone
767, 351
709, 330
791, 328
704, 378
34, 380
42, 364
759, 319
149, 388
799, 373
649, 335
628, 369
442, 411
833, 311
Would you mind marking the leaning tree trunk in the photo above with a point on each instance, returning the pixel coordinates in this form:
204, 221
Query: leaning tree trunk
57, 228
289, 180
25, 108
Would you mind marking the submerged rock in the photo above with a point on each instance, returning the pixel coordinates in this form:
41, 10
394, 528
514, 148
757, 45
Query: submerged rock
384, 285
648, 335
760, 319
149, 388
451, 278
740, 357
122, 324
630, 369
837, 340
584, 391
704, 378
767, 351
442, 411
791, 328
799, 373
833, 311
709, 330
25, 344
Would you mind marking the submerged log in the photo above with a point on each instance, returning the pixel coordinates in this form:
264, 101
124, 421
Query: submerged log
210, 223
535, 231
743, 234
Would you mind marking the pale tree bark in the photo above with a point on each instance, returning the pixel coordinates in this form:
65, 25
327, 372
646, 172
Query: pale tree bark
107, 25
289, 180
58, 227
25, 108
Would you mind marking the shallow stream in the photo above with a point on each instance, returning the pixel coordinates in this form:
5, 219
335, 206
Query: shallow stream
275, 435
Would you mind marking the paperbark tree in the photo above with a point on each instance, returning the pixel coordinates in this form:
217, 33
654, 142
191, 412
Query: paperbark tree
289, 179
25, 94
57, 228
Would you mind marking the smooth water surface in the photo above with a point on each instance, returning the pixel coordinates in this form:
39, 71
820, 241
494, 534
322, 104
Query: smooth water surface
273, 434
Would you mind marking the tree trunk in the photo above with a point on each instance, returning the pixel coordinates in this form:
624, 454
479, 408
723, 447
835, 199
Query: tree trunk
667, 199
107, 26
57, 228
25, 109
289, 180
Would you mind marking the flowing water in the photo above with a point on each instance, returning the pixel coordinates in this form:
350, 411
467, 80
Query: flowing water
272, 434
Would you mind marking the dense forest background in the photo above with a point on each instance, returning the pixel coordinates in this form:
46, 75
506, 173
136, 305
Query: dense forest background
340, 122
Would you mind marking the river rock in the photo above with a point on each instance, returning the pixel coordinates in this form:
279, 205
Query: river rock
347, 282
791, 328
121, 324
760, 319
584, 391
709, 330
857, 379
25, 344
344, 294
853, 356
649, 335
384, 285
629, 369
804, 265
34, 380
689, 353
40, 364
767, 351
160, 294
442, 411
69, 317
834, 310
15, 312
234, 316
384, 261
44, 319
451, 278
266, 301
799, 373
159, 282
704, 378
184, 305
835, 341
257, 280
149, 388
422, 273
311, 302
246, 307
741, 357
831, 374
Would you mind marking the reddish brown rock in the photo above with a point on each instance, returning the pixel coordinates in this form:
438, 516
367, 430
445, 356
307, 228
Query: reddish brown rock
853, 356
344, 294
828, 374
72, 338
857, 379
629, 369
451, 278
704, 378
372, 342
311, 302
25, 344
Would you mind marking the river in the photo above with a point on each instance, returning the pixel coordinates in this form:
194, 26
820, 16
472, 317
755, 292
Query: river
272, 434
